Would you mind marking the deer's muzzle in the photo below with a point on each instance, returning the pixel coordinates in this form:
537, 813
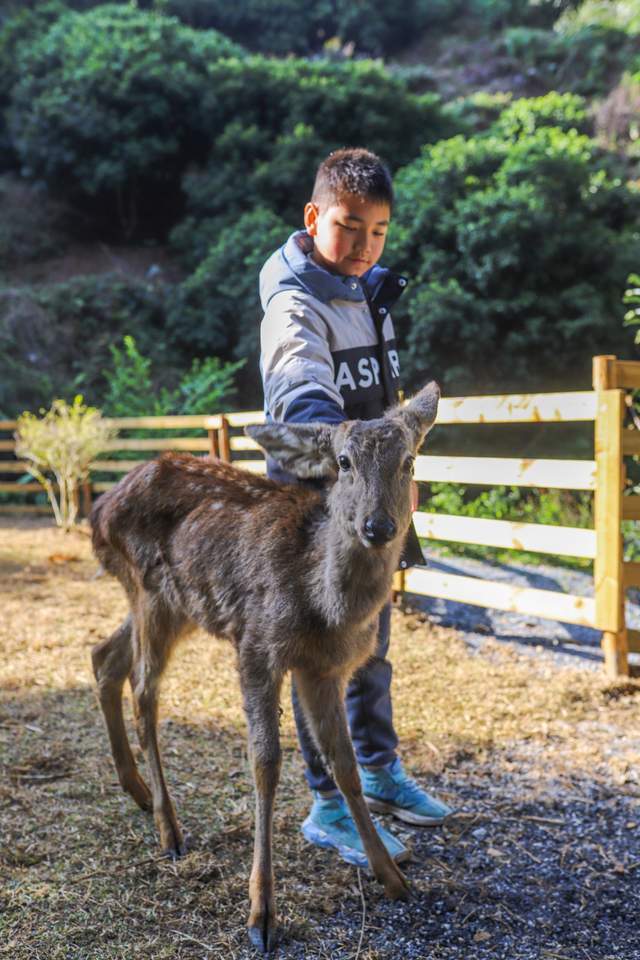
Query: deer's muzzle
379, 529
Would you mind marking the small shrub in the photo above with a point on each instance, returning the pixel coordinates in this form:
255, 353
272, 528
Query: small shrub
632, 300
59, 446
516, 504
523, 117
206, 388
612, 14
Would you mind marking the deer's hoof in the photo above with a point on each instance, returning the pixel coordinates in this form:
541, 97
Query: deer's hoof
264, 937
178, 848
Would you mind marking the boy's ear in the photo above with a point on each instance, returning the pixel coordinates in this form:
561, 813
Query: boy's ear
311, 212
304, 449
420, 412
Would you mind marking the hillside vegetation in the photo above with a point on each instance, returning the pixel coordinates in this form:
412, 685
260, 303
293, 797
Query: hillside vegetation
153, 155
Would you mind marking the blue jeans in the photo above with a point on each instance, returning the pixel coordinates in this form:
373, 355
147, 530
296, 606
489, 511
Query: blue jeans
368, 703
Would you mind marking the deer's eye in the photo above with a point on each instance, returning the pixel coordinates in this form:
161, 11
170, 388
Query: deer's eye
343, 462
409, 464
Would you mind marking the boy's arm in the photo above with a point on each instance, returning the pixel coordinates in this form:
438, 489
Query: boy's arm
296, 363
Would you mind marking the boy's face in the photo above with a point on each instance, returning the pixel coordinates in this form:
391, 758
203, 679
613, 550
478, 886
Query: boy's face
348, 233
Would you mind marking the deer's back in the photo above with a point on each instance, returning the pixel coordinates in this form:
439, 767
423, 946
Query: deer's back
218, 538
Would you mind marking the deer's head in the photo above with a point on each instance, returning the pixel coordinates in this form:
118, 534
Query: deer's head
368, 462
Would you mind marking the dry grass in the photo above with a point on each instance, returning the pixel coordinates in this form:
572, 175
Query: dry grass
511, 737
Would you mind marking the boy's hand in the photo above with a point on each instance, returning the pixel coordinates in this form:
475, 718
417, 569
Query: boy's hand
414, 495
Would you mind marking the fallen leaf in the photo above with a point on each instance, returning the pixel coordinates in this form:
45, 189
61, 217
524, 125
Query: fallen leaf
482, 935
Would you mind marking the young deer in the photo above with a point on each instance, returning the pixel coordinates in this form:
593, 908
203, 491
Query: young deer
293, 577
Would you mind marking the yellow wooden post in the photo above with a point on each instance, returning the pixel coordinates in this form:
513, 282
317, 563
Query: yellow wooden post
223, 440
212, 436
608, 572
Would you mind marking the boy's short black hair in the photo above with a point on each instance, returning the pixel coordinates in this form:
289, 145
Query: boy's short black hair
352, 170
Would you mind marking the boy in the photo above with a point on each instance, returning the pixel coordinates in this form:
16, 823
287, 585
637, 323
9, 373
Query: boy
328, 353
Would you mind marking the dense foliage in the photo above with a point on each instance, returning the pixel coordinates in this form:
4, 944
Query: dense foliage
133, 391
107, 105
516, 217
588, 61
55, 339
519, 247
272, 122
217, 310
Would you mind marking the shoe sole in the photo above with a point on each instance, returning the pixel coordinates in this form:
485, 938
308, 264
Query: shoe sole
415, 819
319, 838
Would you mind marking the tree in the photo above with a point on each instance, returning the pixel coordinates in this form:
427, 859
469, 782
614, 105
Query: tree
518, 249
106, 108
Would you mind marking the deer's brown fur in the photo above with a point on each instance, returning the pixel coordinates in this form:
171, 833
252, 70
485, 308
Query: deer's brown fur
294, 578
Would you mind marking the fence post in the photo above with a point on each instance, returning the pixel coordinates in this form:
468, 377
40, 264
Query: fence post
223, 440
86, 497
608, 565
212, 435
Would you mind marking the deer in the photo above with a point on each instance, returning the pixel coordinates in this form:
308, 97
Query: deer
294, 577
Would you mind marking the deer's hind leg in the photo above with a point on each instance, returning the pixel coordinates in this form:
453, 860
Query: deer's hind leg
157, 629
112, 660
261, 694
322, 700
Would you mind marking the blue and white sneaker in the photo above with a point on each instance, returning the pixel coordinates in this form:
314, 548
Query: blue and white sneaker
330, 824
389, 789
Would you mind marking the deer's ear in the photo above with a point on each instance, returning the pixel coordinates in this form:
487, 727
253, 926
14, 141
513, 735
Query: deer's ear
304, 449
420, 412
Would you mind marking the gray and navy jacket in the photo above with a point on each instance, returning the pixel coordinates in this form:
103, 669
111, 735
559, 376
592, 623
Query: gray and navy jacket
328, 347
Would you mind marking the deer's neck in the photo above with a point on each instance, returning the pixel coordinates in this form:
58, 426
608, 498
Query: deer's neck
350, 581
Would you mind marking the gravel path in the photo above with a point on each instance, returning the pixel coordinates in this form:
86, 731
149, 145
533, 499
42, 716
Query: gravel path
569, 643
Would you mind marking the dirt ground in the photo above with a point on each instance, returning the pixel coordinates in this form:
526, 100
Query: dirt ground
542, 763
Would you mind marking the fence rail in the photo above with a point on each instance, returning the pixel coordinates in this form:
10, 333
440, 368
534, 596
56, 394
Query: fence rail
605, 476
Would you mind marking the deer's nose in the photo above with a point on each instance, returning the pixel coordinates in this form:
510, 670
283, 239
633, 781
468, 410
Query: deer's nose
379, 529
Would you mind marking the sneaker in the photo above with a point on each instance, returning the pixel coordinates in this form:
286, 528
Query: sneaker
388, 789
330, 824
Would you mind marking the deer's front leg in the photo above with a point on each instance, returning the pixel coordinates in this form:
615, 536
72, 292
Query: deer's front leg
323, 703
261, 693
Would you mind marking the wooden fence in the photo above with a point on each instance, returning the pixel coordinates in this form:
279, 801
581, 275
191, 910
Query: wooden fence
605, 406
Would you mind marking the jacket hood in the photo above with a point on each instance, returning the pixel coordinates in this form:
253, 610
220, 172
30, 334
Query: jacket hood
291, 268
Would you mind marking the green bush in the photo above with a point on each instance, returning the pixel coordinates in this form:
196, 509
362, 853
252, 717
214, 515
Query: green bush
133, 391
631, 299
107, 109
31, 225
518, 505
476, 112
612, 14
588, 62
290, 27
274, 121
217, 310
529, 13
518, 252
523, 117
18, 29
55, 339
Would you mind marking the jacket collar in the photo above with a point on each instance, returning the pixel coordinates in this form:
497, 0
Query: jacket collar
291, 268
